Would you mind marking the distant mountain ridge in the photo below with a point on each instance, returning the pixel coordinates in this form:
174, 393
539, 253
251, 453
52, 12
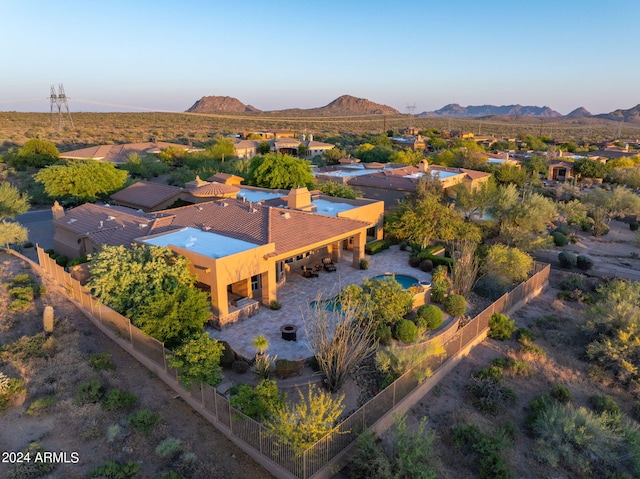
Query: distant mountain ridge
342, 106
632, 115
455, 110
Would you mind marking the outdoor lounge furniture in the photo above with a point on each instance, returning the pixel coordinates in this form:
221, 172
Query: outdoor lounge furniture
308, 272
328, 264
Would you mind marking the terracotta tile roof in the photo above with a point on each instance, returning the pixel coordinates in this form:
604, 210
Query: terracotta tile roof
146, 195
119, 153
384, 180
474, 174
214, 189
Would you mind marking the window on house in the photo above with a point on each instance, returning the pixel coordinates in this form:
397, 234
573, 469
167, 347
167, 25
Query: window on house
256, 282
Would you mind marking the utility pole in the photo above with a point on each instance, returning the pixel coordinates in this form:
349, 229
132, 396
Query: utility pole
410, 109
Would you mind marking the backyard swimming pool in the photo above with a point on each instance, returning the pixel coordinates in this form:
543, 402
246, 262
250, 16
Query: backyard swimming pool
405, 280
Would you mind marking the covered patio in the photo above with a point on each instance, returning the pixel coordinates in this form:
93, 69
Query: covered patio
295, 296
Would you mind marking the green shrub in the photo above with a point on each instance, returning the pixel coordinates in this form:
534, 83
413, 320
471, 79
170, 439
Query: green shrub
559, 239
275, 305
40, 406
77, 261
62, 260
426, 265
144, 420
414, 261
586, 224
88, 393
22, 278
383, 333
369, 460
564, 230
102, 361
116, 470
429, 317
19, 305
491, 287
561, 394
240, 366
455, 305
22, 292
31, 468
403, 245
608, 408
116, 400
515, 367
567, 259
633, 226
495, 373
490, 396
572, 282
364, 264
10, 389
376, 246
169, 447
259, 402
584, 262
501, 326
405, 331
525, 334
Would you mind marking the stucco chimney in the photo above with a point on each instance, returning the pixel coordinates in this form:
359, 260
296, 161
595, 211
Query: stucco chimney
423, 166
299, 199
57, 210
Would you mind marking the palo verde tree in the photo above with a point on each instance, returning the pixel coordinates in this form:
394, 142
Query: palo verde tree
12, 203
275, 170
82, 180
198, 360
153, 287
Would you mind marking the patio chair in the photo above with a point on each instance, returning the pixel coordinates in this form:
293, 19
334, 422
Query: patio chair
328, 264
308, 272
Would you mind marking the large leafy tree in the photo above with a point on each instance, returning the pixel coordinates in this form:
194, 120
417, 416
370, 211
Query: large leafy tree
153, 287
84, 180
35, 153
12, 203
275, 170
223, 149
507, 264
198, 360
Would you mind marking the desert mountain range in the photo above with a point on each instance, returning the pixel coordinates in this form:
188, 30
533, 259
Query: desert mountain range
348, 105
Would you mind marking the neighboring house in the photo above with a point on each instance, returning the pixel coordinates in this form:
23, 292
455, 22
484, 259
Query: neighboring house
391, 183
119, 153
559, 170
287, 145
269, 135
501, 158
240, 250
148, 196
416, 142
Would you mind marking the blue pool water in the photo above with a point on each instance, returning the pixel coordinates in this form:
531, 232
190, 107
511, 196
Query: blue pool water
405, 280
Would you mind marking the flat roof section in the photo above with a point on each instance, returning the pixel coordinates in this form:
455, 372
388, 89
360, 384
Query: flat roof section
434, 173
253, 195
331, 208
205, 243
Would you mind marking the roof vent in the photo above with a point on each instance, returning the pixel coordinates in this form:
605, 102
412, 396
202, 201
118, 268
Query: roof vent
206, 228
224, 204
199, 208
286, 215
111, 218
142, 225
101, 224
253, 210
72, 220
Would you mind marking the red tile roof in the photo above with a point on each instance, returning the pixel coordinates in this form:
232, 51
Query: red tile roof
119, 153
146, 195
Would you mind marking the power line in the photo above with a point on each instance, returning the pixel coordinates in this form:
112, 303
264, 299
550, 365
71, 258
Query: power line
59, 100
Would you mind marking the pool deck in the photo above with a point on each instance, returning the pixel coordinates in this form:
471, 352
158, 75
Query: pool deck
295, 296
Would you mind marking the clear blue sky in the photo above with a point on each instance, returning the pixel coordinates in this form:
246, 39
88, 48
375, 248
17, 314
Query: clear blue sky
165, 55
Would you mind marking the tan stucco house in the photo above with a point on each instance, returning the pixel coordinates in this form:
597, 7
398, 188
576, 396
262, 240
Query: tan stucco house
240, 250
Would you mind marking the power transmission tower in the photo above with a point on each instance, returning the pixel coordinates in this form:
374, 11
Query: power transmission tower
410, 109
60, 100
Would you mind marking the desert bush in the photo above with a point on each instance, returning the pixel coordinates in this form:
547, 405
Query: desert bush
501, 326
369, 460
491, 287
395, 360
429, 317
405, 331
494, 373
414, 261
514, 367
572, 282
169, 447
116, 470
561, 394
607, 408
264, 365
18, 304
32, 468
455, 305
440, 284
490, 396
240, 366
23, 278
567, 259
584, 262
275, 305
488, 448
528, 347
364, 263
383, 334
29, 347
102, 361
257, 402
525, 334
559, 239
412, 450
116, 400
563, 229
144, 420
40, 406
10, 389
426, 265
88, 393
634, 225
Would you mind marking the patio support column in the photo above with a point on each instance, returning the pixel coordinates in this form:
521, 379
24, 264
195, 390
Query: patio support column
358, 248
220, 299
335, 252
269, 285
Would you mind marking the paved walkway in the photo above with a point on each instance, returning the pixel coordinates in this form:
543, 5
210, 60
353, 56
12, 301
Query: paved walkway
295, 296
